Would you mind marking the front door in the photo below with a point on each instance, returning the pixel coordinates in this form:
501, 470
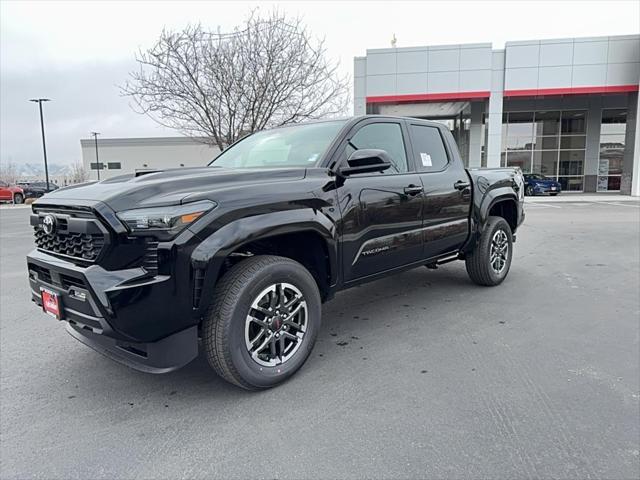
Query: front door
381, 212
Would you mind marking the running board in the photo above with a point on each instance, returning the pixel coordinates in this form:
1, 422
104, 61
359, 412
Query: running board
442, 261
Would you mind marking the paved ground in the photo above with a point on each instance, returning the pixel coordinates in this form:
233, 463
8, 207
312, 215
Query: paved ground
537, 378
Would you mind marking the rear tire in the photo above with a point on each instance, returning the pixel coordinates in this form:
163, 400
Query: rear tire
529, 191
242, 318
18, 199
489, 263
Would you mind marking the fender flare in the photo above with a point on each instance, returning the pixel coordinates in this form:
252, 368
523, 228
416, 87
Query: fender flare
481, 211
492, 198
211, 253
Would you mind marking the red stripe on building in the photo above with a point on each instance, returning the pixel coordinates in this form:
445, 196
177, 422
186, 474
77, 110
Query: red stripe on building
538, 92
428, 97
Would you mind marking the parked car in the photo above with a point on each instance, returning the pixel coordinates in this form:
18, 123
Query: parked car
243, 252
11, 193
537, 184
37, 189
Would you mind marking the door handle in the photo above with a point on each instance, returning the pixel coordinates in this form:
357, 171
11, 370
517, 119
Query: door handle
460, 185
413, 189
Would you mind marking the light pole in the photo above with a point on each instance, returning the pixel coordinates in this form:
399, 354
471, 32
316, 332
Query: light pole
95, 142
44, 145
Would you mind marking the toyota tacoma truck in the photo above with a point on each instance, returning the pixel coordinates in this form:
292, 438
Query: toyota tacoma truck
235, 259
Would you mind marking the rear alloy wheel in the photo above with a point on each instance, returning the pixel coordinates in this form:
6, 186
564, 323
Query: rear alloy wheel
263, 321
529, 191
488, 264
18, 199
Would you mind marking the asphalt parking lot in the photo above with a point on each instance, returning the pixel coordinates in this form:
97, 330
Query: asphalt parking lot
421, 375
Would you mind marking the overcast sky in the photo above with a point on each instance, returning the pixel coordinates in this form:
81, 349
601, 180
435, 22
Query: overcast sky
77, 53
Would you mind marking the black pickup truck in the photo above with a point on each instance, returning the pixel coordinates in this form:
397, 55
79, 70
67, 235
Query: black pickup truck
239, 256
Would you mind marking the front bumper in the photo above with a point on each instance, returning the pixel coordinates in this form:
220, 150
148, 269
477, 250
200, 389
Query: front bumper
543, 189
124, 314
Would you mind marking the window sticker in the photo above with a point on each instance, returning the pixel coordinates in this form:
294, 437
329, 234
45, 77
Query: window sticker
426, 159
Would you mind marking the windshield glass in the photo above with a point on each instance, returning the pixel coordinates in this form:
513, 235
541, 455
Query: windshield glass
294, 146
536, 176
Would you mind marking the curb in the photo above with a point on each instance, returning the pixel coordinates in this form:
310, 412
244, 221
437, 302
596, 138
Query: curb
11, 206
575, 198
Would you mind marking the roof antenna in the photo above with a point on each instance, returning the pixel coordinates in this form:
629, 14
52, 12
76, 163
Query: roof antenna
394, 41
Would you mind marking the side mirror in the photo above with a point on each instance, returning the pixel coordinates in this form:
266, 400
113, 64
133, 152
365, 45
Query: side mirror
367, 160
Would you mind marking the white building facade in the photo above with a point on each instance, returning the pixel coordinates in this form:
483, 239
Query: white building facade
121, 156
565, 108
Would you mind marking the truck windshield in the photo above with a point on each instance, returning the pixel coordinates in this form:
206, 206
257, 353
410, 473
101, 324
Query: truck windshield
293, 146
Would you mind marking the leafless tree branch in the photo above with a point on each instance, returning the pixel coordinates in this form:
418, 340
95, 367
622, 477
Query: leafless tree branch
269, 72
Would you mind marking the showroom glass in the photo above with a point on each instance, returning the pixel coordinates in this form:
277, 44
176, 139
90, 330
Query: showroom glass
612, 144
428, 148
294, 146
549, 142
383, 136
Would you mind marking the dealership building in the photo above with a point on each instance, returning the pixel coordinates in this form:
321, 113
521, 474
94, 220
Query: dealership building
565, 108
122, 156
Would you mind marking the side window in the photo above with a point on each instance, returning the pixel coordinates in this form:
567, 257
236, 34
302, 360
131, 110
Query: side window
2, 184
428, 147
385, 136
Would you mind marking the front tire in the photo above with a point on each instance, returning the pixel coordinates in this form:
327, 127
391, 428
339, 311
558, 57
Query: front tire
263, 322
529, 191
489, 263
18, 199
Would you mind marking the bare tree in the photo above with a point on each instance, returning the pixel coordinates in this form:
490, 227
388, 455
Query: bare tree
8, 172
220, 86
78, 173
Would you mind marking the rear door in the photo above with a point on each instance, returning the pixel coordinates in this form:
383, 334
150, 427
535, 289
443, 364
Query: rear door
381, 212
447, 189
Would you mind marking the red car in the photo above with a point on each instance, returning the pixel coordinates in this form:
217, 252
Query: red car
10, 193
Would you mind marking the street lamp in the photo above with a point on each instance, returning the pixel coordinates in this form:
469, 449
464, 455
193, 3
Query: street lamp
95, 141
44, 145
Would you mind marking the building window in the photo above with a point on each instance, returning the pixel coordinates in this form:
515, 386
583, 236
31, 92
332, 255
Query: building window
97, 166
114, 165
551, 143
612, 145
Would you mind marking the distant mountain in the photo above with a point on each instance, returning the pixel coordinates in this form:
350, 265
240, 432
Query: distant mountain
37, 169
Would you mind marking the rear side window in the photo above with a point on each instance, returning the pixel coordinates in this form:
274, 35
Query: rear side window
428, 147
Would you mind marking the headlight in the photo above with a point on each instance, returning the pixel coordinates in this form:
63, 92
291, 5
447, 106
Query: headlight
164, 222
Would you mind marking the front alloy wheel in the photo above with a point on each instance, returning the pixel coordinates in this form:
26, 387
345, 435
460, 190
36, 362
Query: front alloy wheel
276, 324
262, 322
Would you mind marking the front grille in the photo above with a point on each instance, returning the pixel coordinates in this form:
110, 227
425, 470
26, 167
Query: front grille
41, 273
68, 282
59, 280
77, 234
77, 245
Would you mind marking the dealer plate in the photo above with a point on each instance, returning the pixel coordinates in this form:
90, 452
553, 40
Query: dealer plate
51, 303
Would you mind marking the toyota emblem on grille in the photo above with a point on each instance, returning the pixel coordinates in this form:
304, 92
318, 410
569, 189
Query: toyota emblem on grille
49, 224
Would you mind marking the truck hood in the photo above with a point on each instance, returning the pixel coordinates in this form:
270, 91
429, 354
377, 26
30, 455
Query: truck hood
169, 187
